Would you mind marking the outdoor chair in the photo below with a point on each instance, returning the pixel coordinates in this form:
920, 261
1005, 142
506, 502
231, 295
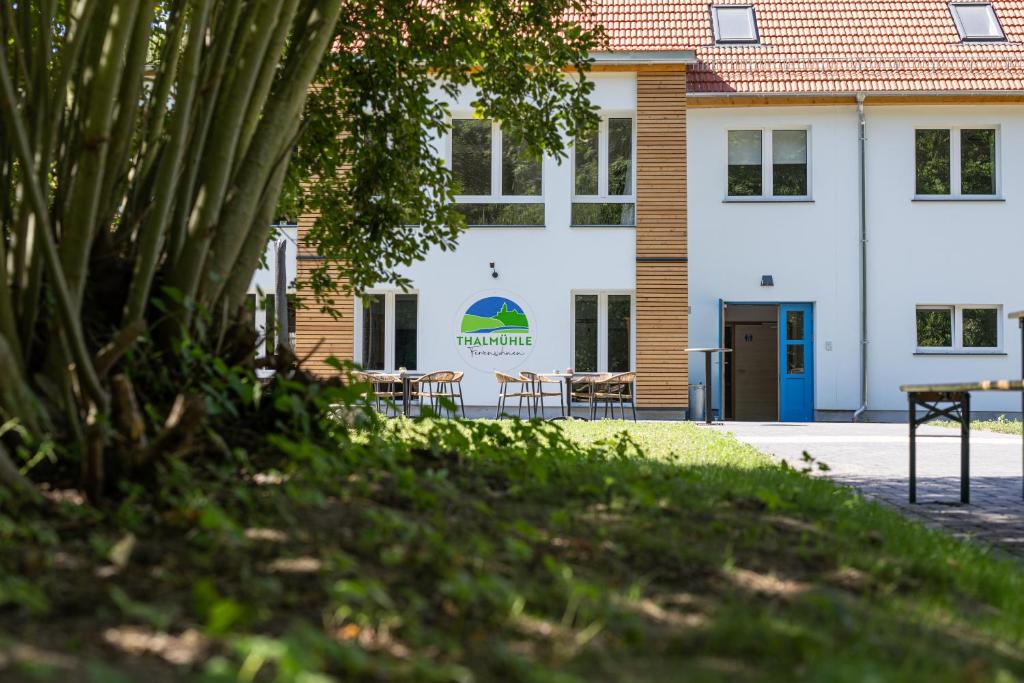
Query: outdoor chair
387, 391
436, 387
584, 390
538, 392
614, 389
363, 378
513, 387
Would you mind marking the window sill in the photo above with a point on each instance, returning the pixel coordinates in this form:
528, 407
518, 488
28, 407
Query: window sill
602, 225
768, 200
498, 227
960, 353
962, 198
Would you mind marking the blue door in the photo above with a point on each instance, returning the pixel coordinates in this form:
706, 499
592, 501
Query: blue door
796, 363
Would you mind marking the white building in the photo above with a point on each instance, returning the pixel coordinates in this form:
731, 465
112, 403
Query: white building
827, 189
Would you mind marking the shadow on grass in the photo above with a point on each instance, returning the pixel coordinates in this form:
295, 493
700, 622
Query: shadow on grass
435, 550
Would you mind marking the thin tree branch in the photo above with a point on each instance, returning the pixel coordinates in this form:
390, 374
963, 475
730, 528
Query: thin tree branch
66, 307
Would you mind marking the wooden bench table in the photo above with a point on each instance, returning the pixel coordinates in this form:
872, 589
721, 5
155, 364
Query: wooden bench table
957, 401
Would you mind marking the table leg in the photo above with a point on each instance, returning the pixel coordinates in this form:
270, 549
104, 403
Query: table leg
965, 449
407, 396
568, 397
707, 388
912, 401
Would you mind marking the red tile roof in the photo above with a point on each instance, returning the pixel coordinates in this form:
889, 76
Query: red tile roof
816, 46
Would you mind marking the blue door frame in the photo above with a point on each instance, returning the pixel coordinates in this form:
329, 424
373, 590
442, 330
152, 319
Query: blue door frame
796, 383
796, 362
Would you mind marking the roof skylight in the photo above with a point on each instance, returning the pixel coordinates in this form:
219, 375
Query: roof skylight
734, 24
976, 21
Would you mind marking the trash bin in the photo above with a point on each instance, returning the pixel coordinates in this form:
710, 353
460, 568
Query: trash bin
697, 402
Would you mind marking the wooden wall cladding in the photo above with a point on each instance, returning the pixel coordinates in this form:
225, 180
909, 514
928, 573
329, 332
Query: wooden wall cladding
662, 319
319, 335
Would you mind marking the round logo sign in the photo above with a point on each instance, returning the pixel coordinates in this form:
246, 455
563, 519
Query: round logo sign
493, 332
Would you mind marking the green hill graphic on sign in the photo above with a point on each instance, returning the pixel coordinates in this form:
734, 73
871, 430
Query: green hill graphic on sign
495, 314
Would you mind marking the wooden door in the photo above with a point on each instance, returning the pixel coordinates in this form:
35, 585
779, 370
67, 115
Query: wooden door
756, 372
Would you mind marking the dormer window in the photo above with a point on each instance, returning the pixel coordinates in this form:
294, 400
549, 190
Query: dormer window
734, 24
976, 21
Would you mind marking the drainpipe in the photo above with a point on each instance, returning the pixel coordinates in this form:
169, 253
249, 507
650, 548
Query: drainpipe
863, 263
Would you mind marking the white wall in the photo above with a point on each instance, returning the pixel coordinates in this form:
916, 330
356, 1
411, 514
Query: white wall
541, 266
947, 252
808, 247
919, 252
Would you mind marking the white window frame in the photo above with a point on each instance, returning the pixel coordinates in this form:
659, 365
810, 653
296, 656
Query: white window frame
1001, 38
602, 196
389, 327
602, 326
756, 40
957, 320
495, 197
768, 166
955, 175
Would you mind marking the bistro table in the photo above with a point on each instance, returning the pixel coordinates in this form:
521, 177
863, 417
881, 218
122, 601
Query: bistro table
707, 377
566, 380
407, 378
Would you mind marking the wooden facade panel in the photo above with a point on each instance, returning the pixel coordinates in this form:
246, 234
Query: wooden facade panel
662, 299
319, 335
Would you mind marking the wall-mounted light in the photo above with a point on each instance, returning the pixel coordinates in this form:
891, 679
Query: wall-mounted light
767, 281
494, 273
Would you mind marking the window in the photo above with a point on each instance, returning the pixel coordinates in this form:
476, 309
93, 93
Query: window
389, 324
497, 180
603, 186
955, 162
602, 332
734, 24
405, 331
958, 329
270, 324
786, 177
976, 21
374, 337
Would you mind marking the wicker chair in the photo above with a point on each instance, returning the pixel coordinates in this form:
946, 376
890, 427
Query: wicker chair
611, 389
387, 388
584, 390
537, 391
513, 387
438, 386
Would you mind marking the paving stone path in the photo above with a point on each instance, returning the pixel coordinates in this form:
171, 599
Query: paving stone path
874, 459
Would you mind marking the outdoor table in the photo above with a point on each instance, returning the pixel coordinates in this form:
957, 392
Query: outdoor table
931, 397
707, 377
566, 380
407, 378
1019, 317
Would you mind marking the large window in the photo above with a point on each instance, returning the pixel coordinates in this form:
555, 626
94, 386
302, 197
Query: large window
955, 162
388, 324
602, 331
766, 163
958, 329
603, 186
498, 182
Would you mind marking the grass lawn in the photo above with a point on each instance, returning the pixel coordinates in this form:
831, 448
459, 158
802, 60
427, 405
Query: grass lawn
506, 552
1001, 425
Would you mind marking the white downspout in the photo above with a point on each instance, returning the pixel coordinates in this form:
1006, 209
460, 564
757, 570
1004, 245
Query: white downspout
863, 263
